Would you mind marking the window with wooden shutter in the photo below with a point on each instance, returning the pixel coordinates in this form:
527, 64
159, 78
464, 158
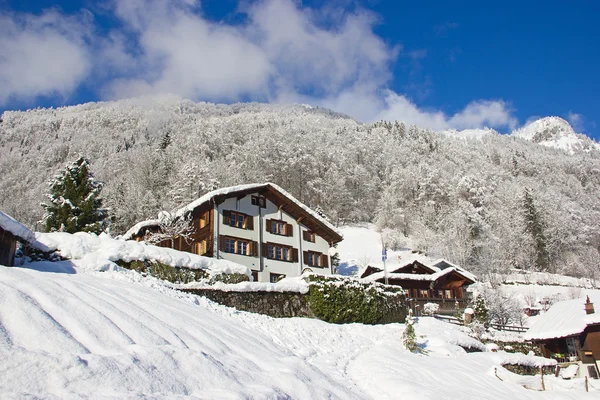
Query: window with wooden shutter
235, 245
278, 227
280, 252
308, 236
226, 217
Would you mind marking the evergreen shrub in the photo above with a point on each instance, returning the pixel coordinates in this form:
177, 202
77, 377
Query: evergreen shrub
341, 300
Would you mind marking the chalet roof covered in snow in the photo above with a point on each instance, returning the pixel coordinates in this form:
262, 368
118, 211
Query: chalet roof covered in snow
565, 318
438, 268
13, 226
236, 190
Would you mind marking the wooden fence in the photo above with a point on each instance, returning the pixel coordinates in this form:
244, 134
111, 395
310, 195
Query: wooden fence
508, 328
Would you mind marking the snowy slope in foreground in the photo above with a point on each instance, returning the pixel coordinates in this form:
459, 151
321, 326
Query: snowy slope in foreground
118, 335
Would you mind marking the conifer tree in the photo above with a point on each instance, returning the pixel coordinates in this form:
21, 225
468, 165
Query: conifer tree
409, 337
75, 203
481, 310
534, 225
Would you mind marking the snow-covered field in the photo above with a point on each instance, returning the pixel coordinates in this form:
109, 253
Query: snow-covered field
72, 333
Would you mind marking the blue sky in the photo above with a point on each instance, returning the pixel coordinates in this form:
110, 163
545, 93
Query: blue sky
436, 63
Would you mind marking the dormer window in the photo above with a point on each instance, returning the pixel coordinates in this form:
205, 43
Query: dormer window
259, 201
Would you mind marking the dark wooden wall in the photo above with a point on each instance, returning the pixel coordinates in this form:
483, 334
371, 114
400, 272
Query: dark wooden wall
8, 246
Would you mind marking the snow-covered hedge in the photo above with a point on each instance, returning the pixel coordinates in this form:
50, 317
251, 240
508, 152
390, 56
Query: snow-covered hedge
344, 300
101, 252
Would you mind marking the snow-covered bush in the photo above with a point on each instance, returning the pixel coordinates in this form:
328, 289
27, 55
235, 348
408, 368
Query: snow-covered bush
339, 300
409, 337
431, 308
165, 272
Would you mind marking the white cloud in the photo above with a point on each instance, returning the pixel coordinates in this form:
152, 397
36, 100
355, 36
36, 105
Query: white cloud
281, 52
43, 55
576, 121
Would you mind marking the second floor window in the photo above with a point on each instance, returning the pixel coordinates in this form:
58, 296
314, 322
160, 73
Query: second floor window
279, 227
238, 220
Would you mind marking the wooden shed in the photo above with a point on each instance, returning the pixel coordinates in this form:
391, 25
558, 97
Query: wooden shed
11, 233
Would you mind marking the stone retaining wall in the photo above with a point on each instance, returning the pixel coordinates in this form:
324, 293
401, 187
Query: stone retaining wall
274, 304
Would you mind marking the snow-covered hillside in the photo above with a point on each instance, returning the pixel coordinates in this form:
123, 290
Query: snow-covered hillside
556, 132
115, 334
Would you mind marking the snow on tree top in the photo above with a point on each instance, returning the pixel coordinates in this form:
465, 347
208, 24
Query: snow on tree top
13, 226
565, 318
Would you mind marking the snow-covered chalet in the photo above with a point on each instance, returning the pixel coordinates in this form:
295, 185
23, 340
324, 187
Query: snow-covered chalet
570, 332
427, 281
260, 226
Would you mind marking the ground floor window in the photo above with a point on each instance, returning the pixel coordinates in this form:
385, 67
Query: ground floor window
254, 276
237, 246
200, 247
274, 278
280, 252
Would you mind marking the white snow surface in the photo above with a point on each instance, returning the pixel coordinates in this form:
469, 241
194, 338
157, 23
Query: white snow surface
13, 226
555, 132
564, 318
295, 284
118, 335
99, 252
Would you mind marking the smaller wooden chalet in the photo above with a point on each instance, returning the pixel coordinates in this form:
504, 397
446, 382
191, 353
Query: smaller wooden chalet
260, 226
427, 281
570, 332
11, 233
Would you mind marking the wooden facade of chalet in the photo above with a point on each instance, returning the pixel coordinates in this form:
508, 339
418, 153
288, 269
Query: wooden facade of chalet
446, 289
8, 248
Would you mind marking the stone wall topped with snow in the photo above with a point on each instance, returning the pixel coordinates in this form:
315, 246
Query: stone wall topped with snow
273, 304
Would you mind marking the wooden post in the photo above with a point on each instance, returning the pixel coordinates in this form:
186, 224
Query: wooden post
557, 371
586, 384
542, 374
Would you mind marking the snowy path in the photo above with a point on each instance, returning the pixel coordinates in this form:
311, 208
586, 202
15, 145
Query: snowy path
117, 335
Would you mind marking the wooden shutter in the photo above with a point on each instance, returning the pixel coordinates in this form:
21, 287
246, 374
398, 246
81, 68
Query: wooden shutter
265, 250
226, 217
250, 222
221, 243
254, 249
295, 255
324, 261
305, 257
268, 225
304, 235
289, 230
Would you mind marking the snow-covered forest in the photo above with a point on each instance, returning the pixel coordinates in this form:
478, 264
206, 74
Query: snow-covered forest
486, 201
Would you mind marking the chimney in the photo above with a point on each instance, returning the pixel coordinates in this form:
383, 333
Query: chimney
589, 306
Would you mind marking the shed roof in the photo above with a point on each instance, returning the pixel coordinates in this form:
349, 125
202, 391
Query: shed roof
13, 226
